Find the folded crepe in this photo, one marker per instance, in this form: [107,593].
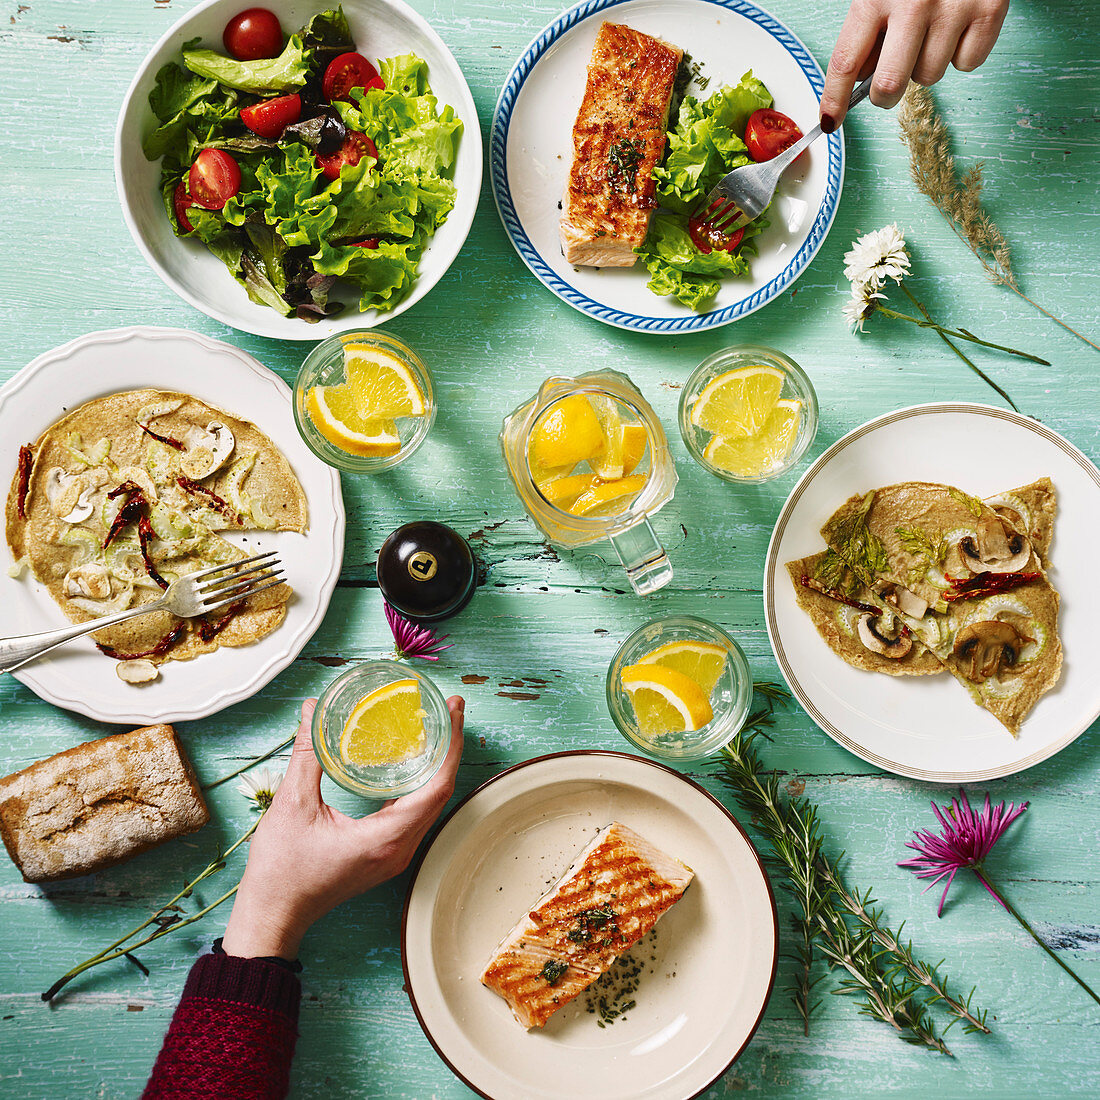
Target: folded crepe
[885,595]
[132,490]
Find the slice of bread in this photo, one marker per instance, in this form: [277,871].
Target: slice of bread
[99,803]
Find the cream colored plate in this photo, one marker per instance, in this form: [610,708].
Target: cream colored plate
[926,726]
[498,852]
[76,676]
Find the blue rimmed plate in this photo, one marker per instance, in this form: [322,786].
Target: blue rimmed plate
[531,147]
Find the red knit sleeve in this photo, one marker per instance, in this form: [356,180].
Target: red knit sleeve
[232,1035]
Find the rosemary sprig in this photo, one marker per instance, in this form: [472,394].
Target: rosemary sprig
[894,986]
[932,168]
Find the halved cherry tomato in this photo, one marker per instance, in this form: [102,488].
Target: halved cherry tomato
[181,200]
[215,177]
[356,146]
[370,242]
[706,238]
[269,119]
[769,132]
[253,34]
[349,70]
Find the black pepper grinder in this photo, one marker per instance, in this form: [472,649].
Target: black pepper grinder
[427,571]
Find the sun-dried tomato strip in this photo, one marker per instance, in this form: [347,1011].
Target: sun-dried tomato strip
[175,444]
[223,506]
[836,594]
[146,534]
[208,629]
[134,510]
[158,650]
[26,460]
[985,584]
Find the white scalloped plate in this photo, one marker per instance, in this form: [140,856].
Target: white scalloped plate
[927,727]
[530,147]
[710,969]
[79,678]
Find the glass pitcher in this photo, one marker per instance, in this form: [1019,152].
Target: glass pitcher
[615,491]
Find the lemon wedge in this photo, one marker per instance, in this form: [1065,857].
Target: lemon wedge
[351,433]
[703,662]
[634,445]
[759,454]
[387,727]
[605,494]
[664,700]
[738,402]
[567,433]
[607,462]
[561,492]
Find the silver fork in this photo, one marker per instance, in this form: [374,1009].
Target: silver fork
[741,196]
[197,593]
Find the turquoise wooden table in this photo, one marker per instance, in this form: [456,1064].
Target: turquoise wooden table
[532,649]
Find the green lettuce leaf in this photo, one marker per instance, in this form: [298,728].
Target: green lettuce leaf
[275,74]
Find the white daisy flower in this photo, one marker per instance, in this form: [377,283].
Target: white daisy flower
[260,786]
[876,257]
[860,306]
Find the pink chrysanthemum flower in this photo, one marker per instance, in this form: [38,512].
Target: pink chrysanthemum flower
[413,640]
[966,840]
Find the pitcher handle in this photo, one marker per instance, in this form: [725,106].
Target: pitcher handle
[643,557]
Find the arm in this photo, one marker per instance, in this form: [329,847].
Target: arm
[899,40]
[234,1031]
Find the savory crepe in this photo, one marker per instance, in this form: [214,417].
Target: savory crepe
[130,491]
[919,577]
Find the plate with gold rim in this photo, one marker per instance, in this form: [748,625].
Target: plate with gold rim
[706,975]
[926,727]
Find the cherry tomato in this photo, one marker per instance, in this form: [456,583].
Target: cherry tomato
[253,34]
[215,177]
[769,132]
[349,70]
[268,119]
[370,242]
[706,238]
[181,200]
[356,146]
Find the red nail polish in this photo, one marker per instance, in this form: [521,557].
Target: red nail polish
[828,124]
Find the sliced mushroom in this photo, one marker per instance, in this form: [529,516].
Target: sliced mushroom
[909,603]
[893,641]
[994,549]
[990,646]
[91,579]
[208,450]
[137,671]
[69,496]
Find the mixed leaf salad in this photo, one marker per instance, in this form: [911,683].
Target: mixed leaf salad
[686,258]
[297,163]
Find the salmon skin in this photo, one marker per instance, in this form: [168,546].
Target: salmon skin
[618,138]
[612,895]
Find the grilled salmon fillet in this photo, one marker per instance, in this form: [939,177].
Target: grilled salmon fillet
[618,138]
[611,896]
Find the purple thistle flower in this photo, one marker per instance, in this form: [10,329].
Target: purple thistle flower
[413,640]
[966,840]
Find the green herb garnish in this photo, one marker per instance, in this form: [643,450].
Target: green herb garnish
[553,971]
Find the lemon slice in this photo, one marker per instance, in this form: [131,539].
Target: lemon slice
[567,433]
[756,455]
[563,491]
[738,402]
[607,462]
[381,385]
[373,438]
[664,700]
[605,494]
[634,445]
[387,727]
[703,662]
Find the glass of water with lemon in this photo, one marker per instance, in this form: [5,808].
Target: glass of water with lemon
[748,413]
[363,401]
[381,730]
[679,688]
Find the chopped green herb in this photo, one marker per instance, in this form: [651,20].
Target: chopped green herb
[972,504]
[553,971]
[623,159]
[857,545]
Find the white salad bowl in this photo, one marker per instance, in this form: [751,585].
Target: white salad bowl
[381,28]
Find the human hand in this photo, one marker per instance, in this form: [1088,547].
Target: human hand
[899,40]
[305,857]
